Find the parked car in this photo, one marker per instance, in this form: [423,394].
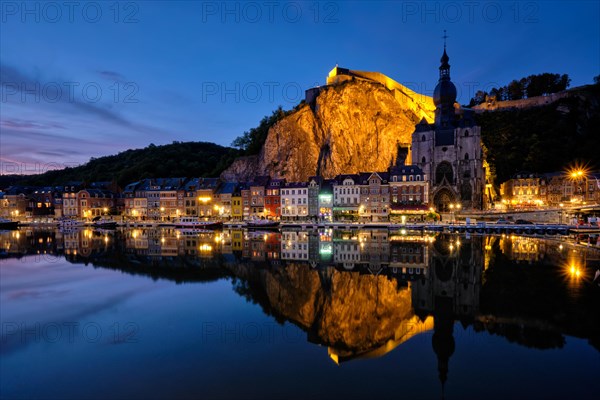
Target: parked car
[523,222]
[502,221]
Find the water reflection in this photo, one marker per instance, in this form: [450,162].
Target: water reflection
[362,293]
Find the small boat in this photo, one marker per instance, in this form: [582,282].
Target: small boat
[66,223]
[195,223]
[8,224]
[262,224]
[104,224]
[192,231]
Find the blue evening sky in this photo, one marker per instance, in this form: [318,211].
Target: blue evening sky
[86,79]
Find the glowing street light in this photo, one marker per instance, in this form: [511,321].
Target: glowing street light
[454,207]
[578,174]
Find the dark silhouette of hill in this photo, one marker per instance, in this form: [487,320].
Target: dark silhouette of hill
[180,159]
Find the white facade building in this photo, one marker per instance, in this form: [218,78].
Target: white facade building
[294,201]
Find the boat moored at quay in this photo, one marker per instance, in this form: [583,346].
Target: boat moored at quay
[195,223]
[7,224]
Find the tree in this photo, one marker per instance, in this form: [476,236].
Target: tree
[479,98]
[546,83]
[563,83]
[530,86]
[515,90]
[498,93]
[252,141]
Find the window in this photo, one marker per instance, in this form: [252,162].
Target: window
[467,133]
[466,156]
[444,171]
[423,159]
[423,138]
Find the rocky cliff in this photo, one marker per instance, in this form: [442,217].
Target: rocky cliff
[348,127]
[352,313]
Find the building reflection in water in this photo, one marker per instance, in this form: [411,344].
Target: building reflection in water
[361,293]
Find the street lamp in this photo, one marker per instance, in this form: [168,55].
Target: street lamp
[453,208]
[578,175]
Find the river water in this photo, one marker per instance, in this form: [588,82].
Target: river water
[161,313]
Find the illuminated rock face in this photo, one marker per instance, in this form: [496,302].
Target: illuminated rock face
[349,127]
[363,311]
[352,313]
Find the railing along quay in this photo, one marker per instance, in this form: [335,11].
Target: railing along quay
[481,227]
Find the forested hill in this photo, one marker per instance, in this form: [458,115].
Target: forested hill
[545,138]
[186,159]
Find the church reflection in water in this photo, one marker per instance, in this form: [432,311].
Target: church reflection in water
[362,293]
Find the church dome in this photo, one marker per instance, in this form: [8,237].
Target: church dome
[444,93]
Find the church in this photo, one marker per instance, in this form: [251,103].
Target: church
[449,151]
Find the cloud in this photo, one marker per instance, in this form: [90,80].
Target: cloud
[29,151]
[58,152]
[28,124]
[112,76]
[37,294]
[32,135]
[17,88]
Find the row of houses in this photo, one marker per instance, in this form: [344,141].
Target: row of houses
[402,192]
[375,196]
[72,200]
[528,189]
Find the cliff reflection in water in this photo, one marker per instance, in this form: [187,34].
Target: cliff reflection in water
[361,293]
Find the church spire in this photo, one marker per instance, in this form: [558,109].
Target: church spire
[444,66]
[444,95]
